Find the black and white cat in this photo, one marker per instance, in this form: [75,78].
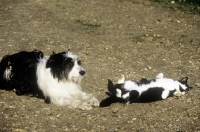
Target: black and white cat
[149,91]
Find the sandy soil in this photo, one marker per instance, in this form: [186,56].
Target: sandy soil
[113,37]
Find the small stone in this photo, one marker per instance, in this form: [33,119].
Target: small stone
[19,130]
[133,119]
[1,40]
[58,115]
[115,111]
[197,84]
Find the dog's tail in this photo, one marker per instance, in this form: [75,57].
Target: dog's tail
[3,64]
[1,75]
[2,69]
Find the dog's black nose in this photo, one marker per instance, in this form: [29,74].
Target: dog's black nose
[82,72]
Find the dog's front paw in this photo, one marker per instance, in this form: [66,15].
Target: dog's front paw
[94,102]
[85,106]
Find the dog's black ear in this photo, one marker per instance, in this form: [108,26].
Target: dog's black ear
[49,63]
[53,52]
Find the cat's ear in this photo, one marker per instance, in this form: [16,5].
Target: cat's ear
[111,87]
[184,80]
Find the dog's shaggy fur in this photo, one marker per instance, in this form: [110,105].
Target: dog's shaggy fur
[56,78]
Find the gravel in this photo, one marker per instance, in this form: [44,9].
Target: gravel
[134,38]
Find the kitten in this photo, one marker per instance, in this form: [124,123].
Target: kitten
[150,90]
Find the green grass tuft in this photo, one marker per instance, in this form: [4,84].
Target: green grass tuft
[189,6]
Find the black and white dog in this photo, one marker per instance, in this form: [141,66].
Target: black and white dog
[56,78]
[149,91]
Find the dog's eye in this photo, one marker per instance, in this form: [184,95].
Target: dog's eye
[79,62]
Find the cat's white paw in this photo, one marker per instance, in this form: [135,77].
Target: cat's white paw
[118,93]
[165,94]
[127,103]
[179,93]
[121,79]
[124,96]
[159,76]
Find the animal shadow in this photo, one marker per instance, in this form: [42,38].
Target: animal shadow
[111,96]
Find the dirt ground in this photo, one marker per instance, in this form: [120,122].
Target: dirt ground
[113,37]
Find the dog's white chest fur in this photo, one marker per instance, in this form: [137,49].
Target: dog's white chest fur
[64,91]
